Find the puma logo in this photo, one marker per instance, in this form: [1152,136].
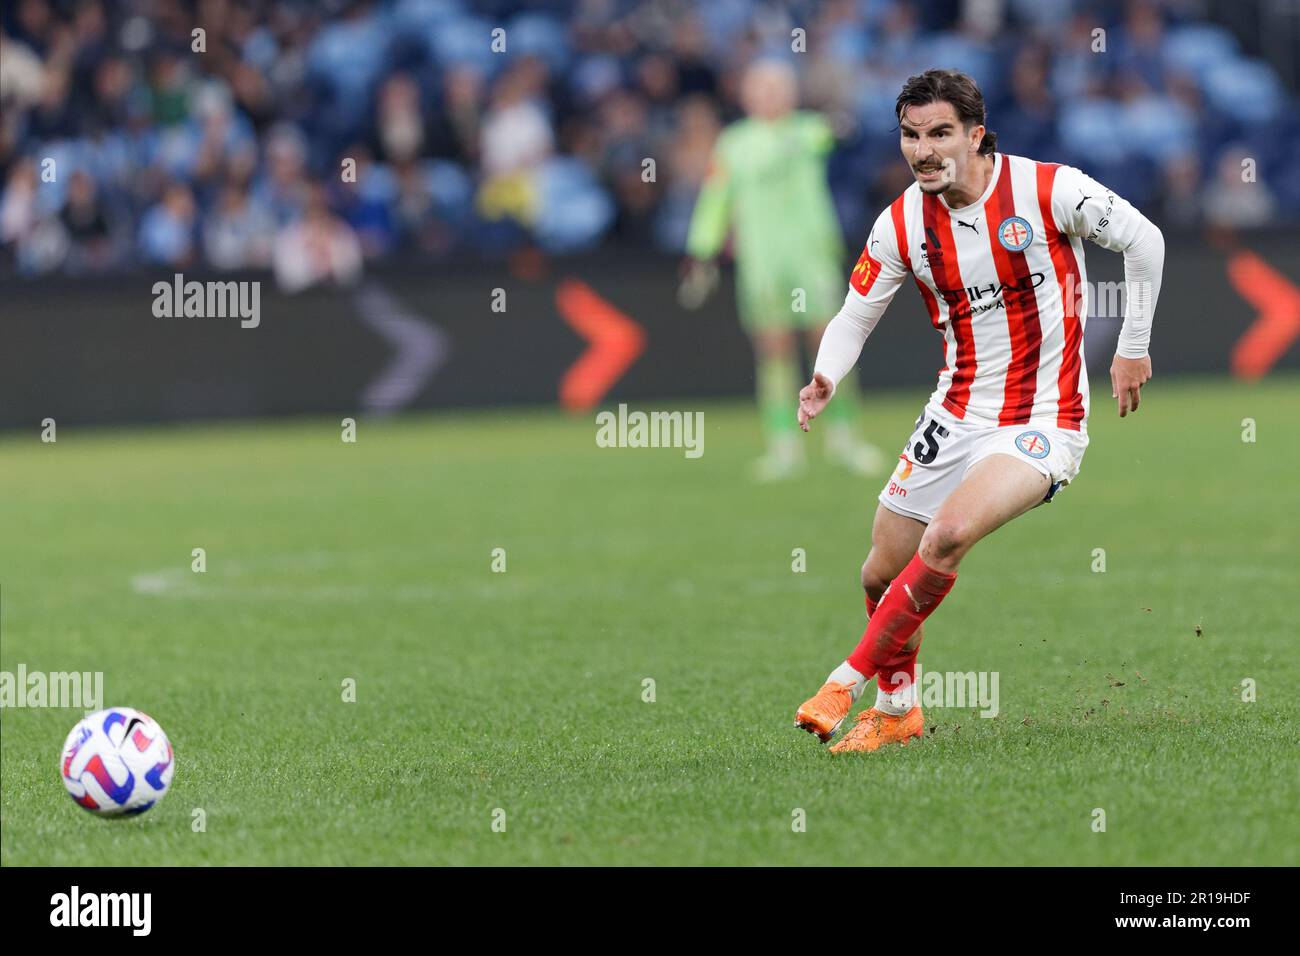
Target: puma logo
[915,603]
[970,225]
[1081,201]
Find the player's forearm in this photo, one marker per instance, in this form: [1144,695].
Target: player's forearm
[1144,261]
[844,337]
[709,223]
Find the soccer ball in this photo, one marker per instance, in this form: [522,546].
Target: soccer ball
[117,762]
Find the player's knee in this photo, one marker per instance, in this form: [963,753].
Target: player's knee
[945,540]
[873,581]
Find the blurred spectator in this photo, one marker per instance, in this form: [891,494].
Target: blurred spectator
[168,229]
[239,233]
[18,205]
[689,154]
[281,188]
[318,248]
[516,139]
[400,122]
[93,245]
[365,202]
[54,115]
[455,131]
[1235,199]
[1030,122]
[625,143]
[22,76]
[169,91]
[516,135]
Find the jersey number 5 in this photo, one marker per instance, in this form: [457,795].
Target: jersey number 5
[927,449]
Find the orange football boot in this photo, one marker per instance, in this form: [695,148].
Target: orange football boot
[874,728]
[825,711]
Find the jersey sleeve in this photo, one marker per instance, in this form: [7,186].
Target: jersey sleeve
[711,218]
[1085,208]
[875,278]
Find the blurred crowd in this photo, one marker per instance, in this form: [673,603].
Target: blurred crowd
[309,137]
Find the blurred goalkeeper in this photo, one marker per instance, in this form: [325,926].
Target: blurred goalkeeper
[767,179]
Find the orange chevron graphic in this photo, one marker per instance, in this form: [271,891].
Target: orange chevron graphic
[904,469]
[616,341]
[1278,324]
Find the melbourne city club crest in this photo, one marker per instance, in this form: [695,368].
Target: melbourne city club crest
[1015,234]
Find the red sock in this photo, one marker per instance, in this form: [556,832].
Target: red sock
[887,680]
[910,599]
[898,673]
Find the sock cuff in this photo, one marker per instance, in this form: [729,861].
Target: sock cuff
[933,580]
[896,674]
[846,673]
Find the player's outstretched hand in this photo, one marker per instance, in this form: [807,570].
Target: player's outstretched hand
[699,279]
[1127,376]
[813,398]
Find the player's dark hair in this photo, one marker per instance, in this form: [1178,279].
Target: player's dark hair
[948,86]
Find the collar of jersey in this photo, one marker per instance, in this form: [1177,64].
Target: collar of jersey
[988,190]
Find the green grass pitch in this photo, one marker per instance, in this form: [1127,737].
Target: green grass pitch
[523,691]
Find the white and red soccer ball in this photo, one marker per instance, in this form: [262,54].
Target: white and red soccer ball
[117,762]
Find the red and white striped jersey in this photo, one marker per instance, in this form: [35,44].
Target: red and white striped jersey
[1004,282]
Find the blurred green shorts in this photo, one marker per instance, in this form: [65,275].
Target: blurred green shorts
[798,295]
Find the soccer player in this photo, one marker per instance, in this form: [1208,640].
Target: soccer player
[994,243]
[767,179]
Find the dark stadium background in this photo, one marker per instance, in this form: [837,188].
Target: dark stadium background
[521,170]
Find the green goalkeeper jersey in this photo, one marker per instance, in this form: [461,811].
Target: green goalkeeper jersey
[768,180]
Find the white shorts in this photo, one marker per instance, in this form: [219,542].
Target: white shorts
[942,449]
